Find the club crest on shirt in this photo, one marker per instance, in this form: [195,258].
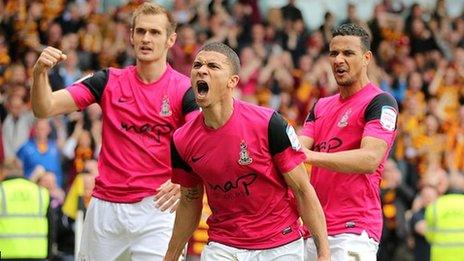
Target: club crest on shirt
[344,119]
[245,158]
[165,107]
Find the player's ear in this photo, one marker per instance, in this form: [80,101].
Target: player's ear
[233,81]
[367,57]
[131,37]
[171,40]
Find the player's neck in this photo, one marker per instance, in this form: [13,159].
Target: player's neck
[218,114]
[150,72]
[348,91]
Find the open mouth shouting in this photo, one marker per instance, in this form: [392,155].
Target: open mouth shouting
[202,88]
[145,49]
[340,71]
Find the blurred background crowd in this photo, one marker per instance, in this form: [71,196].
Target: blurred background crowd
[419,59]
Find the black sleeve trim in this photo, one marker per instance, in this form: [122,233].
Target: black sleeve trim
[277,133]
[176,160]
[96,84]
[374,109]
[312,113]
[188,102]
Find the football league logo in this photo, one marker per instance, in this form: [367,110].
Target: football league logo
[388,118]
[344,120]
[165,108]
[245,158]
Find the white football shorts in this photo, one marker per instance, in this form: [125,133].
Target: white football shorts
[292,251]
[346,247]
[119,231]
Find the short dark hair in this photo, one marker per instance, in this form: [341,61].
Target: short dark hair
[354,30]
[225,50]
[154,9]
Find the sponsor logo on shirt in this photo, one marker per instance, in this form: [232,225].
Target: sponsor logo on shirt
[388,118]
[327,146]
[344,119]
[245,158]
[152,131]
[165,107]
[243,182]
[293,138]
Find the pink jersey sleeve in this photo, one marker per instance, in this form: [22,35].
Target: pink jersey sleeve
[289,159]
[375,129]
[184,178]
[81,95]
[308,129]
[381,117]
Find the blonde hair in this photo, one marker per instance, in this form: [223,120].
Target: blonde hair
[154,9]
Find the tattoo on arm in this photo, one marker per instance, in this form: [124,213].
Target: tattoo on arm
[191,194]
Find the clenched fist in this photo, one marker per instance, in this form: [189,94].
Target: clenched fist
[49,57]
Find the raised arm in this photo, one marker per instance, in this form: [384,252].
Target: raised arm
[364,160]
[187,218]
[309,208]
[46,103]
[378,134]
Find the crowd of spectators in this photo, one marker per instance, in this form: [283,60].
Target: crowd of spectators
[419,58]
